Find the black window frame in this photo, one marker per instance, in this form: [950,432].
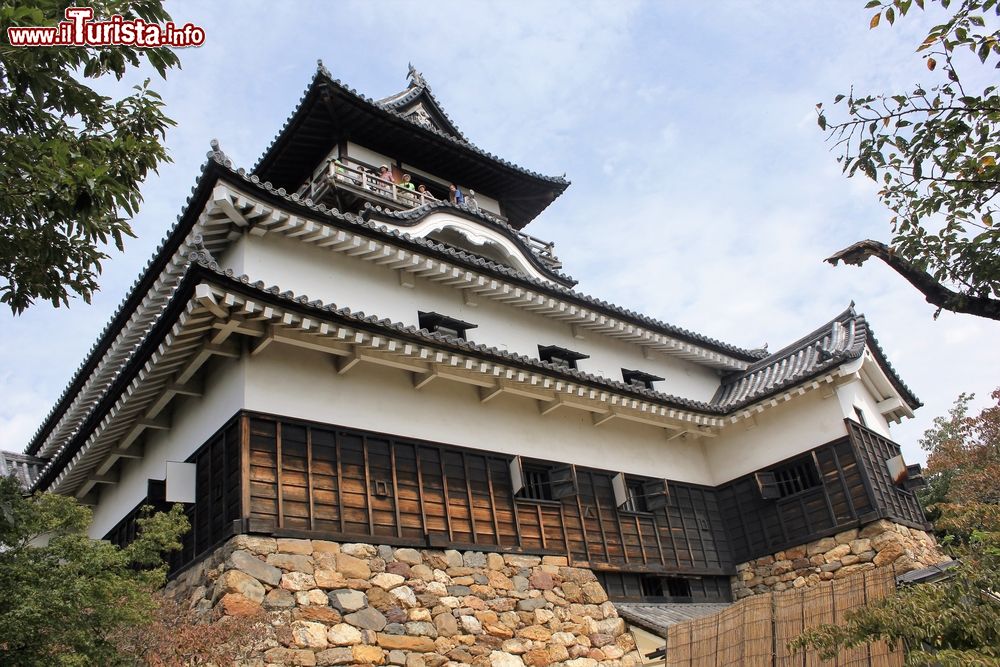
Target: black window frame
[537,483]
[789,479]
[449,326]
[560,356]
[636,492]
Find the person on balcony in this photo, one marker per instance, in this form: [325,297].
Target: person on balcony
[455,195]
[424,193]
[385,174]
[408,190]
[339,171]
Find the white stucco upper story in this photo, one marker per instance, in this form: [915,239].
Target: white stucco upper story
[303,384]
[376,290]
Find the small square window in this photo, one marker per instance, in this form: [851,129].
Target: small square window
[442,324]
[788,479]
[537,485]
[639,378]
[560,356]
[636,497]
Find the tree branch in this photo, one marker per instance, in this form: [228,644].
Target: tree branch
[934,292]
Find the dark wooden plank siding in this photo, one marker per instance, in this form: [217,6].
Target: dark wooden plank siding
[319,480]
[757,527]
[890,501]
[368,486]
[218,498]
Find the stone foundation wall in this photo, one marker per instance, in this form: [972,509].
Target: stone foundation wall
[338,604]
[881,543]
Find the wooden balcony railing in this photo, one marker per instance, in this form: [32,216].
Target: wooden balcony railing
[353,177]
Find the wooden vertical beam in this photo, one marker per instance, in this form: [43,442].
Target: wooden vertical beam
[310,490]
[468,492]
[277,473]
[843,482]
[562,522]
[420,489]
[541,524]
[621,535]
[600,519]
[395,487]
[493,502]
[684,527]
[701,533]
[340,480]
[368,487]
[517,521]
[245,466]
[642,545]
[583,524]
[444,491]
[659,544]
[673,538]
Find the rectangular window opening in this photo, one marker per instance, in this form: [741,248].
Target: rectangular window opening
[639,378]
[537,484]
[442,324]
[788,479]
[560,356]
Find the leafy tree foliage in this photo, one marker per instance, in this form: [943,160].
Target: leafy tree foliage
[934,149]
[952,622]
[955,621]
[179,636]
[65,603]
[73,159]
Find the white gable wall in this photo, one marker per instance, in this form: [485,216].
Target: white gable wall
[194,421]
[776,434]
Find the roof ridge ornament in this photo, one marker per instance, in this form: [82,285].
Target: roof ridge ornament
[219,155]
[321,68]
[417,79]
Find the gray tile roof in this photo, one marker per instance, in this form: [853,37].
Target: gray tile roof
[323,75]
[842,339]
[656,617]
[388,326]
[21,467]
[419,87]
[928,574]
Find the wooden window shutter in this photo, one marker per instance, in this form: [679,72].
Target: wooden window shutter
[563,481]
[767,483]
[620,489]
[516,476]
[657,494]
[898,471]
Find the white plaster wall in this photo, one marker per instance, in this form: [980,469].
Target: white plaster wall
[368,156]
[785,430]
[300,383]
[359,285]
[194,422]
[856,394]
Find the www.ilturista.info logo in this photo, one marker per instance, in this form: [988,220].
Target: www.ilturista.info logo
[80,30]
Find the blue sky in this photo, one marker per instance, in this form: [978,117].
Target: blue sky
[703,192]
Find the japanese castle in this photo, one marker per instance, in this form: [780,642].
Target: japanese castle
[354,351]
